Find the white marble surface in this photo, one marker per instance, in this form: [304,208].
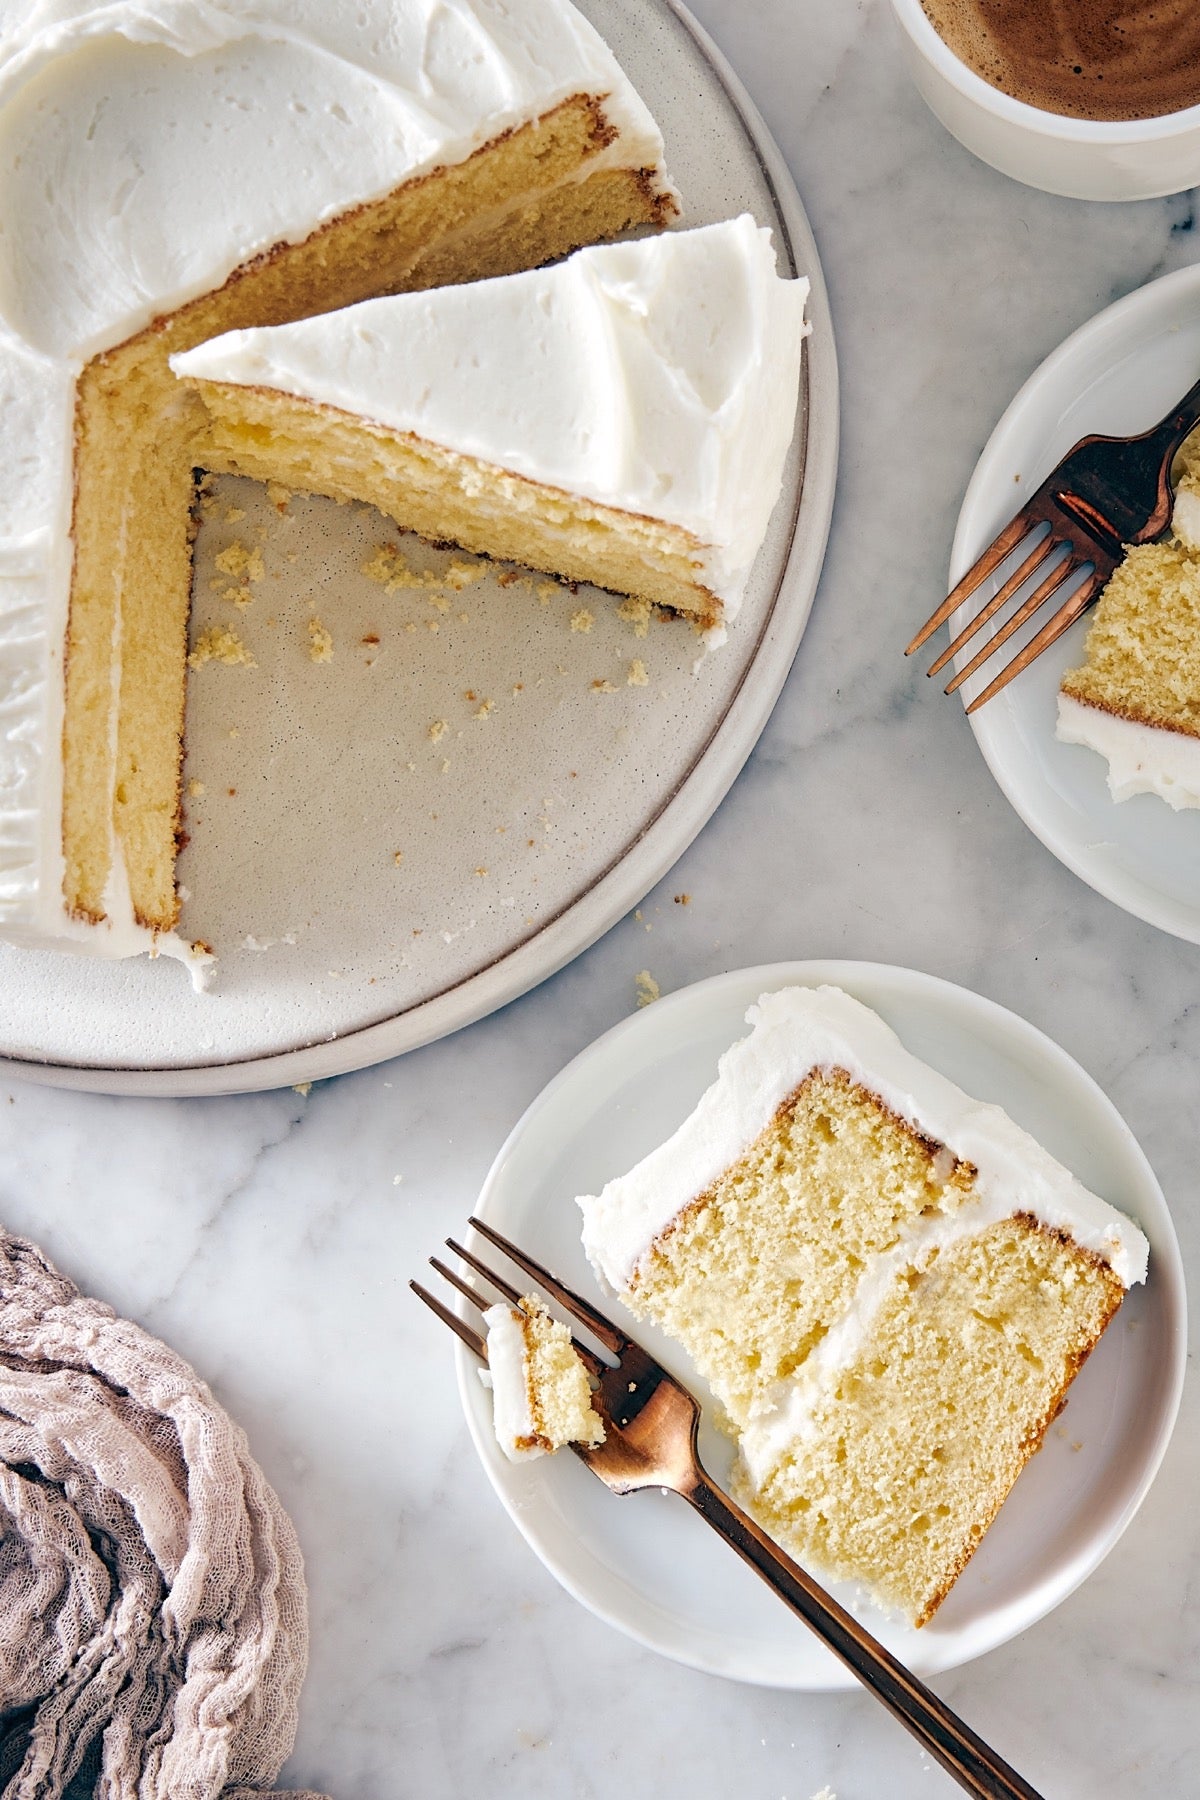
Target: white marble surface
[270,1240]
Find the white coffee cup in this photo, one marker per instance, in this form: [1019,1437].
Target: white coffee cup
[1087,159]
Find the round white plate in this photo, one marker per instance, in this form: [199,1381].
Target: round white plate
[522,834]
[1119,374]
[645,1562]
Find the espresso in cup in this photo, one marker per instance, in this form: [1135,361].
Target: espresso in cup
[1086,59]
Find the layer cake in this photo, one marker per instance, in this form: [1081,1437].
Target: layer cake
[619,418]
[888,1286]
[170,172]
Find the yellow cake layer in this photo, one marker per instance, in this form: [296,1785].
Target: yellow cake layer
[559,1393]
[521,200]
[752,1275]
[1142,655]
[912,1453]
[446,496]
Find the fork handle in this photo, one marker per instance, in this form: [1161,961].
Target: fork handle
[974,1765]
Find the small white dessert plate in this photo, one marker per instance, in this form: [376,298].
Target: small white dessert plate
[1118,374]
[651,1567]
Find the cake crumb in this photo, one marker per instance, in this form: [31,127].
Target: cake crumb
[236,560]
[646,989]
[604,687]
[461,574]
[481,870]
[303,1088]
[437,731]
[582,620]
[637,676]
[234,732]
[445,765]
[683,899]
[218,644]
[372,637]
[485,708]
[234,515]
[826,1793]
[547,591]
[320,647]
[636,612]
[195,788]
[278,495]
[397,857]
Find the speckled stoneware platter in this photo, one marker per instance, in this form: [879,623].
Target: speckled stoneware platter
[388,844]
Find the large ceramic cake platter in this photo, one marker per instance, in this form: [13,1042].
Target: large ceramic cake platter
[374,862]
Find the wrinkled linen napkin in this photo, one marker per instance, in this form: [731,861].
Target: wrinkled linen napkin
[153,1619]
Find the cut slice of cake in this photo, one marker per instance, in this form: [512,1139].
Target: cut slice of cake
[888,1286]
[1136,699]
[541,1396]
[620,418]
[166,176]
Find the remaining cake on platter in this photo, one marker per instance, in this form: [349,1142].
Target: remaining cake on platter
[168,174]
[541,1396]
[620,418]
[888,1286]
[1136,699]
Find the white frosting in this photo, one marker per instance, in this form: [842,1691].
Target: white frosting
[800,1029]
[1142,759]
[147,149]
[1185,515]
[659,377]
[508,1369]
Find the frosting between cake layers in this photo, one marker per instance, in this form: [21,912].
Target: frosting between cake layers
[795,1031]
[147,149]
[1142,759]
[658,377]
[507,1377]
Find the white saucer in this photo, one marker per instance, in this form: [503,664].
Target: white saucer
[651,1567]
[1119,374]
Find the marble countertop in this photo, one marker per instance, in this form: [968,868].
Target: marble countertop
[270,1238]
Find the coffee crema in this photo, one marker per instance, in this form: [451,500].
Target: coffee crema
[1087,59]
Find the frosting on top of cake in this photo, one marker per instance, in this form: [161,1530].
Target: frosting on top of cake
[148,148]
[1142,759]
[658,377]
[795,1031]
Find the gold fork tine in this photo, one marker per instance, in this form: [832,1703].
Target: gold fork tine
[470,1338]
[1034,560]
[987,564]
[502,1287]
[1060,573]
[588,1357]
[1054,627]
[465,1288]
[603,1328]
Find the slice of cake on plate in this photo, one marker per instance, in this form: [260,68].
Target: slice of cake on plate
[541,1396]
[170,174]
[888,1286]
[1136,699]
[619,418]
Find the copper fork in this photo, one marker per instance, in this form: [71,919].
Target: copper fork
[1105,494]
[650,1423]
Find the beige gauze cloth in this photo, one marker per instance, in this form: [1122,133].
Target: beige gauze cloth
[153,1618]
